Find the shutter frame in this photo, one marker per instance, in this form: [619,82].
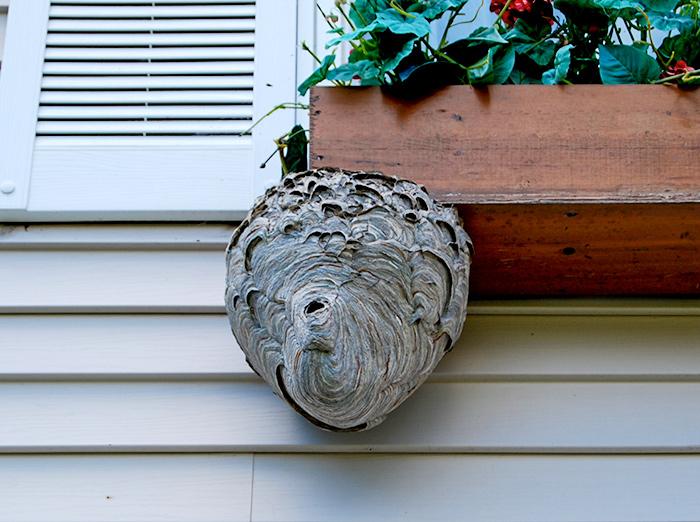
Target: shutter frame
[20,85]
[274,82]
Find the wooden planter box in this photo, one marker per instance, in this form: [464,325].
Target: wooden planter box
[582,190]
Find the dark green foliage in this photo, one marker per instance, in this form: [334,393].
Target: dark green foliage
[296,150]
[562,63]
[583,41]
[318,75]
[621,64]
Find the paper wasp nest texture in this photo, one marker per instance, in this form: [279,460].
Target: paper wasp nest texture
[344,290]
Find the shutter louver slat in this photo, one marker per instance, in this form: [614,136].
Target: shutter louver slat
[150,2]
[151,82]
[162,39]
[176,25]
[148,68]
[82,128]
[146,53]
[149,11]
[131,97]
[128,112]
[136,68]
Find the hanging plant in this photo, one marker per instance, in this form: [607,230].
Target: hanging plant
[529,41]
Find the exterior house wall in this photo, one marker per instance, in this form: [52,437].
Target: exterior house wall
[123,396]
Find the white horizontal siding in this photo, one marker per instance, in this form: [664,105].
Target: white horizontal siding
[186,488]
[481,488]
[492,348]
[98,347]
[124,397]
[101,237]
[98,268]
[494,417]
[128,488]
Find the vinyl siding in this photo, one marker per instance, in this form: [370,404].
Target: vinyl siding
[124,397]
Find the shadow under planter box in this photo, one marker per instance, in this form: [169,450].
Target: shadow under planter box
[582,190]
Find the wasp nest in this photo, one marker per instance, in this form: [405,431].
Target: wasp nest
[344,290]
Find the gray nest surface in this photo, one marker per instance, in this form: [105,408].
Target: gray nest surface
[344,290]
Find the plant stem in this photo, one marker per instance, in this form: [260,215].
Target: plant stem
[450,20]
[670,59]
[318,60]
[617,32]
[347,19]
[330,24]
[651,39]
[629,29]
[286,105]
[308,50]
[399,10]
[476,15]
[358,13]
[684,76]
[442,55]
[262,165]
[500,15]
[554,34]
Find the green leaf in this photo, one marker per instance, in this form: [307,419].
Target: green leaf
[622,64]
[520,78]
[524,32]
[363,12]
[528,41]
[494,68]
[684,46]
[585,11]
[660,5]
[370,82]
[354,35]
[670,21]
[542,53]
[364,69]
[488,35]
[562,62]
[318,75]
[395,60]
[438,7]
[617,5]
[296,153]
[367,51]
[392,20]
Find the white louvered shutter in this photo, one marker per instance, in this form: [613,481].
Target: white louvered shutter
[139,107]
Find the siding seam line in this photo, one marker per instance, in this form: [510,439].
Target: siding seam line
[252,486]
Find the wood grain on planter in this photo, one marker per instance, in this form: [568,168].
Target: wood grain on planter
[615,166]
[507,144]
[531,250]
